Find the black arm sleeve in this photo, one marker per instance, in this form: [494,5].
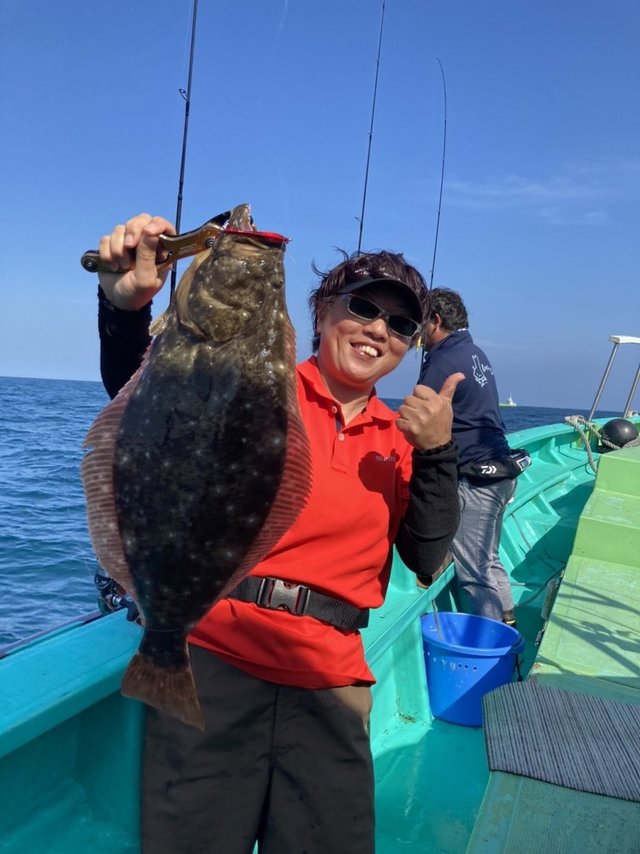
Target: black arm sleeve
[124,337]
[433,514]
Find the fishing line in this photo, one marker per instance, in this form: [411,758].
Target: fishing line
[444,151]
[373,113]
[421,341]
[186,94]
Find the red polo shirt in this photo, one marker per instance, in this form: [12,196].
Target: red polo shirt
[340,545]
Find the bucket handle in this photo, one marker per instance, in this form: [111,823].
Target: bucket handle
[518,646]
[516,649]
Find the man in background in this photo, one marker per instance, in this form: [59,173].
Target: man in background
[487,466]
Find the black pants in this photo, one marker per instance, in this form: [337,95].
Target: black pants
[288,767]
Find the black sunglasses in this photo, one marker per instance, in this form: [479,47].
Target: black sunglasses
[364,309]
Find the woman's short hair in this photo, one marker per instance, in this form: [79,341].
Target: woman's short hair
[363,266]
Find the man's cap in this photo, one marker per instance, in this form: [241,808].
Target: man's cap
[414,292]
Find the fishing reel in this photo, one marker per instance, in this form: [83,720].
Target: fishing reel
[113,597]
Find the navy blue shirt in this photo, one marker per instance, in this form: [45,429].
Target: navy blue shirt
[477,424]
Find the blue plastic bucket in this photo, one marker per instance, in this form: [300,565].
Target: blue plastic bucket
[465,657]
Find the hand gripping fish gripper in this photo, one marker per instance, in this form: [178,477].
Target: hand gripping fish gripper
[172,248]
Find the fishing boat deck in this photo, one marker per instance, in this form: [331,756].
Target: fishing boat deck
[431,775]
[70,743]
[416,798]
[433,779]
[591,646]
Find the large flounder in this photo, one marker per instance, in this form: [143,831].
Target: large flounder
[201,463]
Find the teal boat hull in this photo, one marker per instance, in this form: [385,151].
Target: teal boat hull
[70,744]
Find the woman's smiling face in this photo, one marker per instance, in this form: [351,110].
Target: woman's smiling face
[353,353]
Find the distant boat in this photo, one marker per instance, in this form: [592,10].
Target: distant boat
[509,402]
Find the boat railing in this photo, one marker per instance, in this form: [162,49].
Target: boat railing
[617,340]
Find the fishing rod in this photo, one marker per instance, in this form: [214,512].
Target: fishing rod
[373,113]
[186,94]
[444,151]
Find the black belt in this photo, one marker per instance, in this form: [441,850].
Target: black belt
[276,594]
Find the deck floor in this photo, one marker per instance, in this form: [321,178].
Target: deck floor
[423,764]
[419,768]
[591,645]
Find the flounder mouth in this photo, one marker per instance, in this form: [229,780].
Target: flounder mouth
[270,237]
[240,223]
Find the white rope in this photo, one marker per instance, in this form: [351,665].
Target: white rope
[584,427]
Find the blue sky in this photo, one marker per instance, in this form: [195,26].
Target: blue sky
[540,212]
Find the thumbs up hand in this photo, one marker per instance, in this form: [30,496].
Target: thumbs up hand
[425,416]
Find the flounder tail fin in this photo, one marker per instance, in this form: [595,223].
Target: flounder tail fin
[170,690]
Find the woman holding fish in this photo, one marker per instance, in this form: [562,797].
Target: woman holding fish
[278,492]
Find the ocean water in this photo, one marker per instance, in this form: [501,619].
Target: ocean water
[523,417]
[46,560]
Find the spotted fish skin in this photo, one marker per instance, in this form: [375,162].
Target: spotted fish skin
[201,463]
